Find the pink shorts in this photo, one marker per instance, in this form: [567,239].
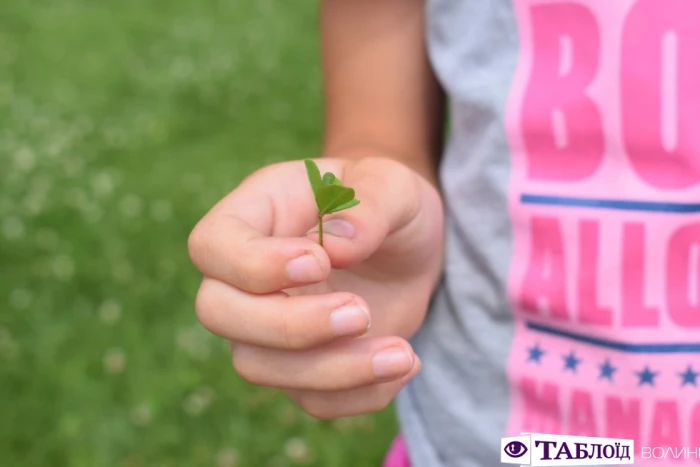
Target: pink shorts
[397,456]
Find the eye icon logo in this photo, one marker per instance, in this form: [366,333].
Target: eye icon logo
[515,449]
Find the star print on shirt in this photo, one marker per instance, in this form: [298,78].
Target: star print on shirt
[646,376]
[571,362]
[689,376]
[535,354]
[607,370]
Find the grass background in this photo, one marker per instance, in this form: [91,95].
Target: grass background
[121,123]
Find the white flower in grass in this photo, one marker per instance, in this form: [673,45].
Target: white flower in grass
[350,424]
[143,287]
[268,63]
[141,415]
[20,299]
[161,210]
[122,271]
[41,184]
[227,458]
[103,184]
[73,166]
[93,213]
[297,450]
[115,137]
[6,205]
[206,393]
[6,92]
[118,177]
[9,51]
[156,130]
[194,343]
[114,361]
[24,108]
[8,347]
[266,7]
[62,267]
[309,420]
[132,461]
[142,120]
[197,402]
[255,35]
[84,125]
[13,228]
[192,181]
[277,461]
[76,198]
[362,422]
[24,159]
[47,238]
[110,311]
[282,111]
[343,425]
[131,206]
[65,93]
[41,267]
[40,123]
[186,339]
[34,203]
[181,68]
[167,268]
[290,416]
[226,62]
[55,148]
[261,397]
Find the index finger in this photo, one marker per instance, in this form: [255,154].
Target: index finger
[249,241]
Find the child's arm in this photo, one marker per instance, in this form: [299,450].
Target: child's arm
[292,309]
[381,95]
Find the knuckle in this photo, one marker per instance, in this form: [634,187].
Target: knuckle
[250,272]
[244,365]
[290,337]
[379,403]
[317,407]
[258,268]
[197,244]
[205,304]
[328,406]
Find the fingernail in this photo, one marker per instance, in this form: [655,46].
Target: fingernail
[305,268]
[392,362]
[414,371]
[338,228]
[350,320]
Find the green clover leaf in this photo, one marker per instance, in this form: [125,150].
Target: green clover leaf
[329,193]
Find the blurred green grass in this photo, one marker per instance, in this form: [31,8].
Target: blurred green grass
[121,123]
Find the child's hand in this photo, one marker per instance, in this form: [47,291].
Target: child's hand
[293,322]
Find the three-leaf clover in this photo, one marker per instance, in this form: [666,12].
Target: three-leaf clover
[330,194]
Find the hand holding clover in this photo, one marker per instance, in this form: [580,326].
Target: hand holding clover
[330,194]
[296,313]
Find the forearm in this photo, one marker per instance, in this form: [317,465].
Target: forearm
[381,97]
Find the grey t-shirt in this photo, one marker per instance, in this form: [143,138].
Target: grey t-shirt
[570,298]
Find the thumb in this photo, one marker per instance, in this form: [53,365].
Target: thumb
[389,196]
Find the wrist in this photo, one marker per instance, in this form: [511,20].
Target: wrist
[424,165]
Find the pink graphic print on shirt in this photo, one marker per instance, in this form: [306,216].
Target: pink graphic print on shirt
[604,126]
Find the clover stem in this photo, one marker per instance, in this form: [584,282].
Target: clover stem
[320,229]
